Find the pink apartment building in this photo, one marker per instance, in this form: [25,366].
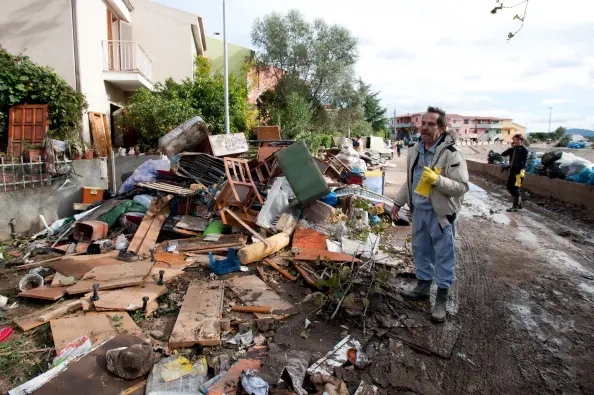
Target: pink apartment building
[467,127]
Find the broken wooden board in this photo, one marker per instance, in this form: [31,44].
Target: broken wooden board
[78,268]
[97,327]
[198,319]
[170,274]
[192,223]
[45,293]
[254,292]
[438,340]
[227,385]
[197,244]
[89,375]
[40,317]
[150,227]
[165,259]
[314,255]
[305,239]
[122,275]
[128,299]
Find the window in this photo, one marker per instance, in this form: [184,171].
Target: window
[466,122]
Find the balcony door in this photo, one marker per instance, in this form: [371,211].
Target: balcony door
[119,43]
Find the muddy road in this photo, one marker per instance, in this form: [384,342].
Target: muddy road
[522,306]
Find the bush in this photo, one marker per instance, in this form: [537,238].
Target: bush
[24,82]
[563,142]
[154,113]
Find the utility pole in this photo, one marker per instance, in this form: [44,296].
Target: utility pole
[226,70]
[550,113]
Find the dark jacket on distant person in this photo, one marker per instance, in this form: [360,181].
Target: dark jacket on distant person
[519,157]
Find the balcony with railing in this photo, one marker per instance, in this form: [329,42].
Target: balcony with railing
[404,125]
[126,65]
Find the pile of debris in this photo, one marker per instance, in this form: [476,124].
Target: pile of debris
[203,236]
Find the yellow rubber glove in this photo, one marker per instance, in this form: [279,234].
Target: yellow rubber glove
[519,179]
[523,172]
[429,175]
[427,179]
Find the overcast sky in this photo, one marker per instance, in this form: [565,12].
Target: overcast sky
[452,53]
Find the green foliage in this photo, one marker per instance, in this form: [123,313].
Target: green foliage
[560,132]
[373,111]
[316,53]
[24,82]
[564,141]
[294,117]
[315,141]
[154,113]
[540,137]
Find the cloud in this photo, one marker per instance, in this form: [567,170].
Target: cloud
[446,41]
[550,102]
[395,54]
[366,41]
[564,62]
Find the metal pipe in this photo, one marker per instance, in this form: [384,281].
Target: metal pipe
[226,69]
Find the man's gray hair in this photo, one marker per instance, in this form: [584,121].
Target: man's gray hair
[441,121]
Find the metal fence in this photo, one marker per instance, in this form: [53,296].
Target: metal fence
[19,174]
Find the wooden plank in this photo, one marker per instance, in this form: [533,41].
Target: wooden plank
[144,227]
[198,319]
[113,276]
[40,317]
[97,327]
[246,226]
[124,324]
[93,257]
[89,375]
[99,133]
[192,223]
[107,133]
[45,293]
[78,268]
[314,255]
[305,238]
[254,292]
[166,259]
[128,299]
[197,243]
[170,274]
[153,233]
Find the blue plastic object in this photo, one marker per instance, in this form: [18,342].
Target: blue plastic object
[330,199]
[224,266]
[374,220]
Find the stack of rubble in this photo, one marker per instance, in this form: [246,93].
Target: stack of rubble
[225,229]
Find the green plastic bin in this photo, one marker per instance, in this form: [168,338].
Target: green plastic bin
[302,173]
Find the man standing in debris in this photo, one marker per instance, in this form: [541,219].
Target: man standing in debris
[436,182]
[357,143]
[517,168]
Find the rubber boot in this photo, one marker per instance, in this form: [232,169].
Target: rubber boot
[520,203]
[438,314]
[420,292]
[514,207]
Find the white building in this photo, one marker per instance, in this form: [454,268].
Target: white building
[104,48]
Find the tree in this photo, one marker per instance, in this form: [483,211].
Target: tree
[560,132]
[154,113]
[373,112]
[317,54]
[294,118]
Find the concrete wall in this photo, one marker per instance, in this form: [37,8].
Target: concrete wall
[565,191]
[53,201]
[127,164]
[41,29]
[166,35]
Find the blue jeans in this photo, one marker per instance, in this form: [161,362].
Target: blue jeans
[433,249]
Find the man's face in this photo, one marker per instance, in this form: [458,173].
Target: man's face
[430,132]
[516,142]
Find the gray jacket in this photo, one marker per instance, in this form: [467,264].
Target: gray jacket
[447,195]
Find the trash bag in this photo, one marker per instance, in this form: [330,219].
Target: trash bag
[582,177]
[495,158]
[549,158]
[555,171]
[146,172]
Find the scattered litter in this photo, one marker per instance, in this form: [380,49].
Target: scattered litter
[78,346]
[338,356]
[253,384]
[5,333]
